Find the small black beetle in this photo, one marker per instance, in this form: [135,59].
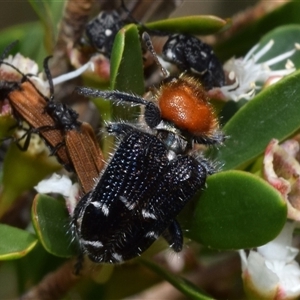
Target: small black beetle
[187,52]
[102,29]
[193,56]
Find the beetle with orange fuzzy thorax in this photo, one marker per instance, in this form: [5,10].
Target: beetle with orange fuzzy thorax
[154,172]
[181,104]
[184,102]
[74,143]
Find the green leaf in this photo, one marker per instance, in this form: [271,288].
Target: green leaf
[49,13]
[29,36]
[15,243]
[238,44]
[190,25]
[53,226]
[237,210]
[7,121]
[127,62]
[186,287]
[273,113]
[22,170]
[229,109]
[42,9]
[126,68]
[284,38]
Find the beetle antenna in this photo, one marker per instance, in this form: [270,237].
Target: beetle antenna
[147,40]
[49,76]
[8,49]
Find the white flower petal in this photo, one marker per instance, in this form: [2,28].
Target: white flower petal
[244,259]
[24,64]
[279,58]
[247,72]
[55,184]
[280,248]
[272,272]
[263,50]
[260,275]
[73,74]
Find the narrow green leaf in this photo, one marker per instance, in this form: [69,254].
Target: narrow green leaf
[127,61]
[237,210]
[190,25]
[43,10]
[53,226]
[126,68]
[273,113]
[183,285]
[15,243]
[48,11]
[56,11]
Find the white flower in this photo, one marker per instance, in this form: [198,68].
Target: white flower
[27,66]
[272,272]
[60,184]
[246,72]
[24,64]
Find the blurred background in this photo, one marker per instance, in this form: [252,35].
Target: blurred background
[15,12]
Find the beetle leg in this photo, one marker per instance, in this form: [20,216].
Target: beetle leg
[173,235]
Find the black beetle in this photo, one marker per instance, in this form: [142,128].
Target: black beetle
[195,57]
[152,174]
